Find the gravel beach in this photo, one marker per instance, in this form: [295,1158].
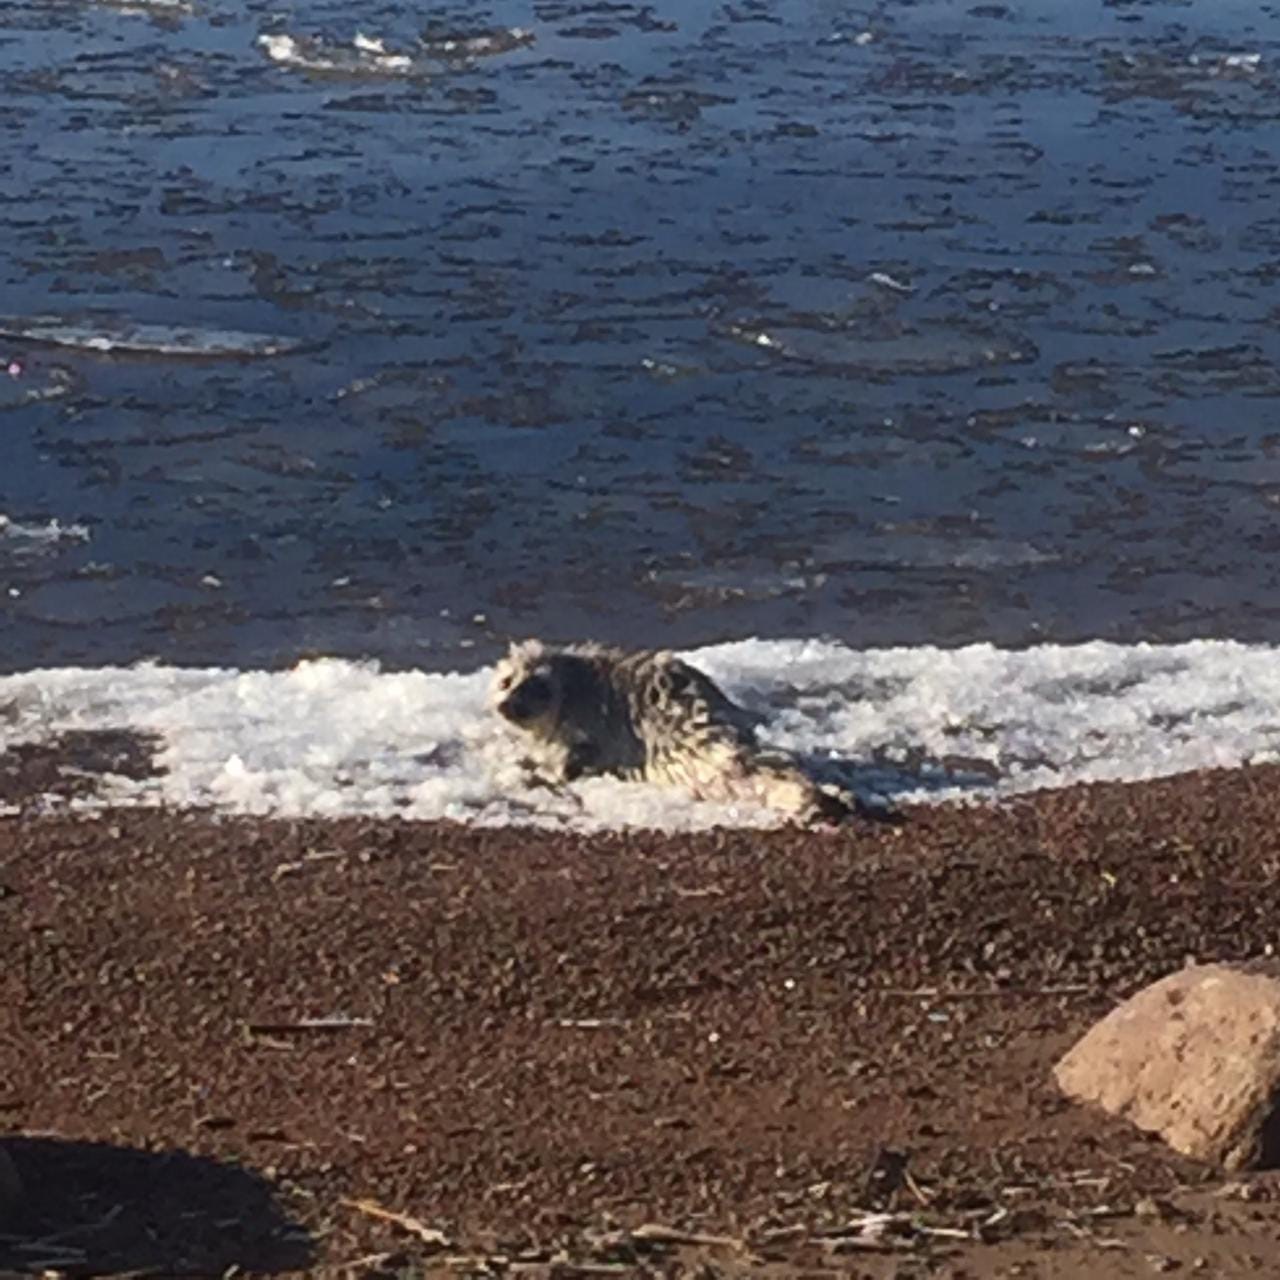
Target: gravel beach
[257,1044]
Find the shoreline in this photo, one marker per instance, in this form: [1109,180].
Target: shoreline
[541,1041]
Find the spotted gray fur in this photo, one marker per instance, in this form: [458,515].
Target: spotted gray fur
[646,716]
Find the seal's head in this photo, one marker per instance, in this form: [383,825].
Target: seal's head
[526,687]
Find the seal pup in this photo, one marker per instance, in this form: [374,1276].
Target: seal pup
[646,716]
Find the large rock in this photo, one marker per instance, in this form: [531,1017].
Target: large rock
[1195,1058]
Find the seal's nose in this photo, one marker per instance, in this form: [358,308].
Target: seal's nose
[527,701]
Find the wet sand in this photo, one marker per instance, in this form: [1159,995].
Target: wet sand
[218,1034]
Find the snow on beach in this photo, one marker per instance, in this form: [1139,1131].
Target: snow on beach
[330,737]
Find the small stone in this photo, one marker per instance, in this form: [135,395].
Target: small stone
[1194,1058]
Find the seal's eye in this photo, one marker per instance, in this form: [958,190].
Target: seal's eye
[529,700]
[505,683]
[535,691]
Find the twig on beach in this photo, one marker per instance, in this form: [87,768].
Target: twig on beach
[310,860]
[885,1232]
[936,993]
[869,1226]
[1102,1211]
[916,1189]
[881,1232]
[657,1233]
[336,1023]
[780,1235]
[428,1235]
[1084,1178]
[944,1233]
[360,1264]
[562,1266]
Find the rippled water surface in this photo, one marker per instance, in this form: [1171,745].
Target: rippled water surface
[670,322]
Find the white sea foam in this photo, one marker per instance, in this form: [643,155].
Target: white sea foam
[112,334]
[331,737]
[17,538]
[366,55]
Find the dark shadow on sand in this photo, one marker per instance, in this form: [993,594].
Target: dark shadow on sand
[89,1208]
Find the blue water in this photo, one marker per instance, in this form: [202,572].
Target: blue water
[691,320]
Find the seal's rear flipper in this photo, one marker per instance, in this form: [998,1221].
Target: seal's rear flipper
[838,806]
